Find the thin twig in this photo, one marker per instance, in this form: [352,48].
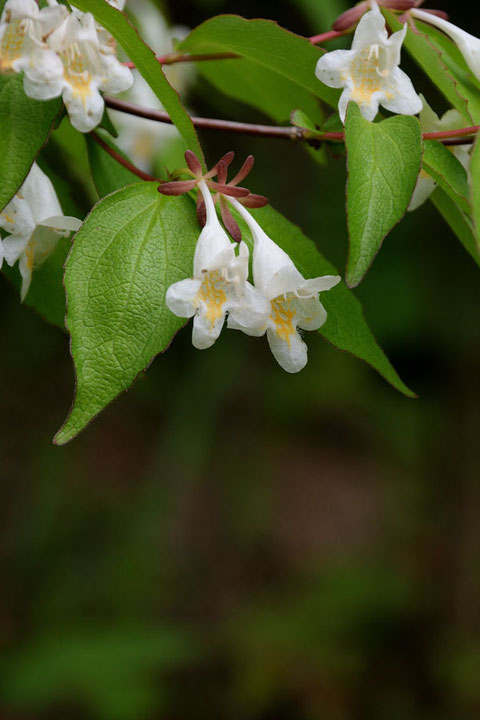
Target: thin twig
[123,161]
[272,131]
[289,133]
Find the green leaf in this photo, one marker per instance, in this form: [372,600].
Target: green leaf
[475,192]
[130,249]
[459,223]
[108,175]
[25,125]
[275,71]
[383,162]
[442,165]
[433,64]
[346,327]
[144,58]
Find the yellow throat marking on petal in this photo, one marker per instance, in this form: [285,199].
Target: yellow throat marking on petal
[212,294]
[76,73]
[12,45]
[8,218]
[366,74]
[282,314]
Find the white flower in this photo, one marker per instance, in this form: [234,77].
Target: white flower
[23,29]
[430,122]
[35,222]
[88,66]
[293,300]
[468,44]
[219,284]
[369,72]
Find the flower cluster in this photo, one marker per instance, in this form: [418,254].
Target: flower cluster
[34,222]
[62,53]
[280,300]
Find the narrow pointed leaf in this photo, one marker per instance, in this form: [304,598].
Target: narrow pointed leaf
[475,191]
[130,249]
[458,222]
[448,172]
[25,125]
[276,70]
[383,162]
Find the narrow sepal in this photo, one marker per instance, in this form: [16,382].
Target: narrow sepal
[244,170]
[439,13]
[193,163]
[254,201]
[226,159]
[177,187]
[350,17]
[228,189]
[222,171]
[229,221]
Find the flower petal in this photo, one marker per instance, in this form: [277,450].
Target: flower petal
[312,315]
[423,189]
[85,109]
[401,96]
[331,67]
[180,297]
[370,30]
[291,355]
[205,331]
[250,313]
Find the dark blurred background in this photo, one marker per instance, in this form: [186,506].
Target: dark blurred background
[229,541]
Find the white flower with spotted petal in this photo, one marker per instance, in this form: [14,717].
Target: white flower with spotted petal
[293,300]
[219,284]
[369,71]
[88,66]
[35,222]
[430,122]
[23,27]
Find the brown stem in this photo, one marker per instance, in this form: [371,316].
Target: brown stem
[272,131]
[290,133]
[120,159]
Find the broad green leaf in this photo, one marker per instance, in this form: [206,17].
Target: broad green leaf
[130,249]
[108,175]
[25,125]
[275,71]
[383,162]
[346,327]
[475,191]
[459,223]
[125,34]
[430,60]
[442,165]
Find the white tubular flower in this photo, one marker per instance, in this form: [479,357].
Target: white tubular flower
[88,66]
[468,44]
[430,122]
[23,28]
[369,71]
[293,300]
[219,284]
[35,222]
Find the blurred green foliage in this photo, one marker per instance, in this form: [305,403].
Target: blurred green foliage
[229,541]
